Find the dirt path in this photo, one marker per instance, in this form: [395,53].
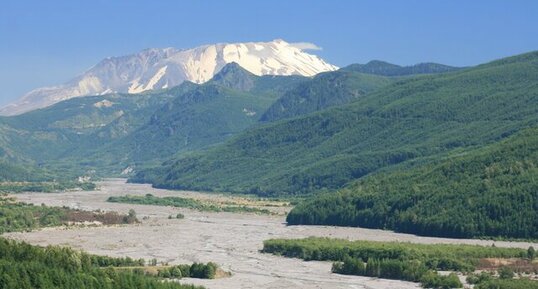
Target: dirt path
[231,240]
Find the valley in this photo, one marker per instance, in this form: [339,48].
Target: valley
[269,144]
[235,172]
[232,240]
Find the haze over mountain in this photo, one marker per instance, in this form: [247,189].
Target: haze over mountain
[167,67]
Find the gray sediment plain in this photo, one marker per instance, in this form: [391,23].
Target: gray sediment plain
[232,240]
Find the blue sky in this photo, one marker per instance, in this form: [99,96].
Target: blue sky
[48,42]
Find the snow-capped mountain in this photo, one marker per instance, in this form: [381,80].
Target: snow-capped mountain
[162,68]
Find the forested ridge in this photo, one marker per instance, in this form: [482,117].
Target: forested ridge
[416,117]
[490,191]
[104,134]
[16,178]
[323,91]
[383,68]
[13,172]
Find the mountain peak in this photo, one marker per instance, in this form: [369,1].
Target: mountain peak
[232,75]
[231,68]
[384,68]
[157,68]
[280,41]
[380,63]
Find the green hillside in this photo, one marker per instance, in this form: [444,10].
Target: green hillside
[233,76]
[343,86]
[412,118]
[15,173]
[77,125]
[110,132]
[15,178]
[483,192]
[206,115]
[388,69]
[323,91]
[195,117]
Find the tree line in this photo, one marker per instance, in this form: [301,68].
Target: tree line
[28,267]
[17,216]
[394,260]
[181,202]
[195,270]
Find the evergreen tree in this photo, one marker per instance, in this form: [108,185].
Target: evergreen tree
[531,253]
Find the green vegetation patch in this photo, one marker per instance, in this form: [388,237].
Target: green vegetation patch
[15,178]
[45,187]
[508,284]
[195,270]
[27,267]
[433,256]
[189,203]
[393,260]
[15,216]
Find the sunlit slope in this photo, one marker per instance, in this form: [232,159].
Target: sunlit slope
[415,117]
